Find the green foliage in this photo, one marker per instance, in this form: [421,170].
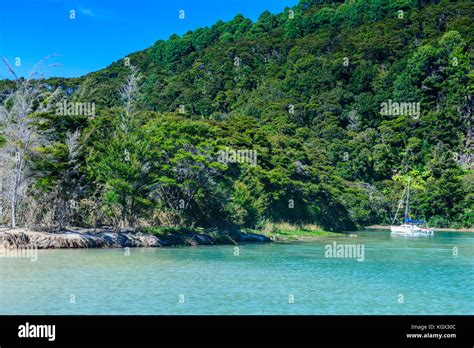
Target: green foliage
[305,93]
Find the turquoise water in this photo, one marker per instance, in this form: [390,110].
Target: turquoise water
[397,276]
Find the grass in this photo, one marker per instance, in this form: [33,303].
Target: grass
[277,231]
[167,230]
[287,231]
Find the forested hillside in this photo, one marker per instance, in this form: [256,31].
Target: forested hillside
[315,115]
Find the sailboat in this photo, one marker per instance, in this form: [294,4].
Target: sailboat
[411,228]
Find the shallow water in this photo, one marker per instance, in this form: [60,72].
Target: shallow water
[397,276]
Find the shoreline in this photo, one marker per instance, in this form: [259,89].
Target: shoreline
[79,238]
[104,238]
[387,227]
[281,237]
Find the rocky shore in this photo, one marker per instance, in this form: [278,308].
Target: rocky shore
[91,238]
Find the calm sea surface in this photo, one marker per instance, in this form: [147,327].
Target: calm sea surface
[397,276]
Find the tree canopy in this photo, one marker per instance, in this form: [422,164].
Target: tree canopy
[340,102]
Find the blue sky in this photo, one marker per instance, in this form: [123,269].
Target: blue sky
[105,30]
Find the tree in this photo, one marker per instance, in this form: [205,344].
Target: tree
[185,170]
[21,135]
[119,162]
[68,187]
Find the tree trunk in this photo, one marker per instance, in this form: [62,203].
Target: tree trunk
[14,206]
[1,196]
[16,182]
[122,219]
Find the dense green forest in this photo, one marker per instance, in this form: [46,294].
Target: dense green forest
[337,102]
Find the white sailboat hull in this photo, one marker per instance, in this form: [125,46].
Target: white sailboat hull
[411,230]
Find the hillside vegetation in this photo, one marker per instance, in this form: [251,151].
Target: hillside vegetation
[331,104]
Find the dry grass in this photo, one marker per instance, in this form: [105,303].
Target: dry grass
[288,228]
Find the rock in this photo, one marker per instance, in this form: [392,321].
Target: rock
[87,238]
[252,237]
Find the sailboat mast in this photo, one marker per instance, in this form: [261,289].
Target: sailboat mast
[400,203]
[407,207]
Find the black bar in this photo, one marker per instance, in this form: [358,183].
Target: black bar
[241,330]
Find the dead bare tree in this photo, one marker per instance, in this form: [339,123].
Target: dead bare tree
[21,135]
[1,194]
[130,94]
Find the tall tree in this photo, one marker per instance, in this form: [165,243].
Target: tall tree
[20,132]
